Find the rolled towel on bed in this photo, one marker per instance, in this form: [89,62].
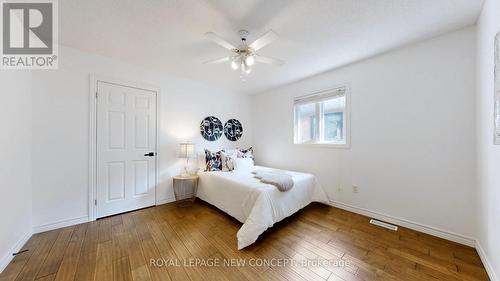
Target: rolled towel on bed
[282,181]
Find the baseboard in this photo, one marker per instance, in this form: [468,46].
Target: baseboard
[486,262]
[408,224]
[8,256]
[165,201]
[60,224]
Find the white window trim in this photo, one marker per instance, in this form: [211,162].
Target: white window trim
[347,115]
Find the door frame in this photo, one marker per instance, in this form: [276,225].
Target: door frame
[92,176]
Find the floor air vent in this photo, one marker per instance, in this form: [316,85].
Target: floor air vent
[384,224]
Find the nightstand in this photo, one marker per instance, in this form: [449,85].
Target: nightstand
[185,188]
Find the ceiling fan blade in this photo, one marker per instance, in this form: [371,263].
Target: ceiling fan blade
[269,60]
[264,40]
[218,40]
[220,60]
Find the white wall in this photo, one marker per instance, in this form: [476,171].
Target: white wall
[488,154]
[15,164]
[61,124]
[413,147]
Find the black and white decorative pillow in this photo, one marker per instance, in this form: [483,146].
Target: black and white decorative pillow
[211,128]
[233,130]
[246,153]
[228,158]
[213,160]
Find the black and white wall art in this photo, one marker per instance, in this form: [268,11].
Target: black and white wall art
[233,130]
[211,128]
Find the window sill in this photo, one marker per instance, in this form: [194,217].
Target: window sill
[326,145]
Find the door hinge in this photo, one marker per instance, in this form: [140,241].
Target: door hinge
[96,94]
[95,202]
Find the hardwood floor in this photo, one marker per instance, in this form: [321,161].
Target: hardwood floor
[122,248]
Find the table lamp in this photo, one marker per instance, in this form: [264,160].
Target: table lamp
[186,150]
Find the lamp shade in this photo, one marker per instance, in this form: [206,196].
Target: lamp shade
[186,150]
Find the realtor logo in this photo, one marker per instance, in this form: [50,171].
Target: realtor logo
[29,34]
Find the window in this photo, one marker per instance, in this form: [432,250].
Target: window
[321,118]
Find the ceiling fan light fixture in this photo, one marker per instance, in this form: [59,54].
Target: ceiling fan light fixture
[234,64]
[244,56]
[250,60]
[245,68]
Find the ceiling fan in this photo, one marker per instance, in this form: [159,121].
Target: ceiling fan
[245,55]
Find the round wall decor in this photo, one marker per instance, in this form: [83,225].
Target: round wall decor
[211,128]
[233,129]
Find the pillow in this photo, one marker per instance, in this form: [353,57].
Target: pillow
[228,164]
[213,160]
[228,159]
[243,164]
[245,153]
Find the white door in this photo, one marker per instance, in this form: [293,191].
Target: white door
[126,149]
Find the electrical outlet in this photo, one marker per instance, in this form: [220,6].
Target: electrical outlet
[339,188]
[355,189]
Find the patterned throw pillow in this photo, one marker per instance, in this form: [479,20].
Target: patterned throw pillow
[228,159]
[245,153]
[213,160]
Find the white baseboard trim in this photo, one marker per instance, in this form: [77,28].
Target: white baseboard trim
[408,224]
[486,262]
[7,258]
[59,224]
[165,201]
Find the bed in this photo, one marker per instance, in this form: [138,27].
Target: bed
[257,205]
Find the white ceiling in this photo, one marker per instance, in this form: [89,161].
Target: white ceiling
[315,35]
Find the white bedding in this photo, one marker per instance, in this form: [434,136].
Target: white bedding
[257,205]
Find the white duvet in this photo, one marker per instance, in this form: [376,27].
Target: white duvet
[257,205]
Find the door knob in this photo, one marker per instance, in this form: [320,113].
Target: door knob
[150,154]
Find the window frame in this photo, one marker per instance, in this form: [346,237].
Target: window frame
[316,98]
